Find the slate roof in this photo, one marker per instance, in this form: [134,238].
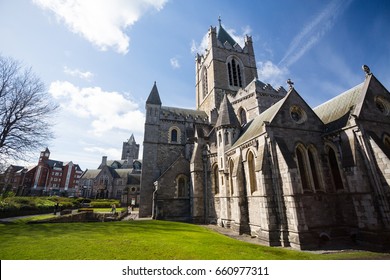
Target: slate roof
[223,36]
[115,173]
[338,107]
[54,163]
[154,96]
[91,173]
[111,162]
[227,116]
[184,112]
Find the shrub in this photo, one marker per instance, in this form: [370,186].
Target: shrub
[8,194]
[104,203]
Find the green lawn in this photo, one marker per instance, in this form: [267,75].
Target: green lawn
[138,240]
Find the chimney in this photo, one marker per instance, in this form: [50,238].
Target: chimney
[104,160]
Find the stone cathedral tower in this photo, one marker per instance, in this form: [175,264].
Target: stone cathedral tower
[224,68]
[130,150]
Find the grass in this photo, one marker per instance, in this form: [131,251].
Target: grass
[151,240]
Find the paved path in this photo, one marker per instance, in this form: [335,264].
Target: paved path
[11,219]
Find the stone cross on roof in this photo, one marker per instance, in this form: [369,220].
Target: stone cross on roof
[290,83]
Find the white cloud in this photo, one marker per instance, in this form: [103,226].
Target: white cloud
[111,153]
[239,38]
[200,48]
[78,73]
[101,22]
[313,31]
[175,63]
[271,73]
[105,110]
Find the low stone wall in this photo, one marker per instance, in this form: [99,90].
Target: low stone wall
[82,217]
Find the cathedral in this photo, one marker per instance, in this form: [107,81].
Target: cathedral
[260,161]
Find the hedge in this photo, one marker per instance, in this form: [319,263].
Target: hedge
[21,205]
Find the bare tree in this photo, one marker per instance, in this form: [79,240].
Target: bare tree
[26,111]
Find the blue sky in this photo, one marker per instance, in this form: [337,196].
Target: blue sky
[99,59]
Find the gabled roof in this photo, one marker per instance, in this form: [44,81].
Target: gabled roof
[154,96]
[227,116]
[256,126]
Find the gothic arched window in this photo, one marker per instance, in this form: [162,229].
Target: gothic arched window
[314,168]
[335,170]
[252,173]
[181,183]
[204,82]
[386,140]
[174,135]
[215,179]
[231,168]
[234,72]
[242,115]
[302,166]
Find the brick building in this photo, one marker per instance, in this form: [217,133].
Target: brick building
[55,177]
[261,161]
[48,177]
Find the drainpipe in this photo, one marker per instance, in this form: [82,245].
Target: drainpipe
[205,193]
[154,199]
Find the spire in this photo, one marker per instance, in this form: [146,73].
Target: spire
[223,36]
[132,139]
[227,116]
[154,97]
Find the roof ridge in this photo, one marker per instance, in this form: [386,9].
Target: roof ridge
[348,91]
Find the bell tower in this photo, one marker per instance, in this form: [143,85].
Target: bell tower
[222,69]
